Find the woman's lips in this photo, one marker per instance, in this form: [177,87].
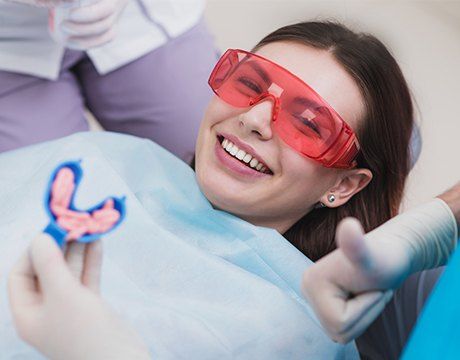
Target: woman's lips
[235,165]
[245,147]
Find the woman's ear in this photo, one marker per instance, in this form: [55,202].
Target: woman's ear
[350,183]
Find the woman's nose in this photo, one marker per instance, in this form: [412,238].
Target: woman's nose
[258,119]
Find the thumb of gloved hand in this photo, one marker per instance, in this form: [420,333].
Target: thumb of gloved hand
[43,261]
[350,239]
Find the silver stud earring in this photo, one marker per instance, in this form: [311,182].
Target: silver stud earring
[331,198]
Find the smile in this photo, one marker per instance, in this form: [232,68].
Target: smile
[247,158]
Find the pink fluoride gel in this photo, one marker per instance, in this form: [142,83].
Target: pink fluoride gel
[78,223]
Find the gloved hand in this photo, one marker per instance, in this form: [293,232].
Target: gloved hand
[92,25]
[56,308]
[350,287]
[343,287]
[45,3]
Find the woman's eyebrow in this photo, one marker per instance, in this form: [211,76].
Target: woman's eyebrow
[307,102]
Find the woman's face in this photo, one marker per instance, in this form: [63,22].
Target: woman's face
[292,184]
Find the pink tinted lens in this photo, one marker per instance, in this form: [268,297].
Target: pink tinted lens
[235,80]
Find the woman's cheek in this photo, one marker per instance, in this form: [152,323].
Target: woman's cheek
[218,111]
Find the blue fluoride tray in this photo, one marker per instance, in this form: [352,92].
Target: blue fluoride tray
[54,229]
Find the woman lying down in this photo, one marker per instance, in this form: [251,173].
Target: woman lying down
[312,126]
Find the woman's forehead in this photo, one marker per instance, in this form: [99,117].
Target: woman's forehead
[320,70]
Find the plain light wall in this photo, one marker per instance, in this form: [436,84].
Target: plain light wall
[423,36]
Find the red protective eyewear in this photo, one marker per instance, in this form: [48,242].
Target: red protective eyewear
[301,118]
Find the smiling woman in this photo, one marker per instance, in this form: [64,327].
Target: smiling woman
[269,112]
[312,126]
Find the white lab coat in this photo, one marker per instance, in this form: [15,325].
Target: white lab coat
[26,46]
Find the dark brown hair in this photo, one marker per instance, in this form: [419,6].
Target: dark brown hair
[384,133]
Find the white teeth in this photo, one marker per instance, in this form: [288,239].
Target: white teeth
[242,155]
[247,158]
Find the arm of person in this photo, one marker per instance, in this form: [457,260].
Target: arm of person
[57,309]
[452,198]
[350,287]
[386,337]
